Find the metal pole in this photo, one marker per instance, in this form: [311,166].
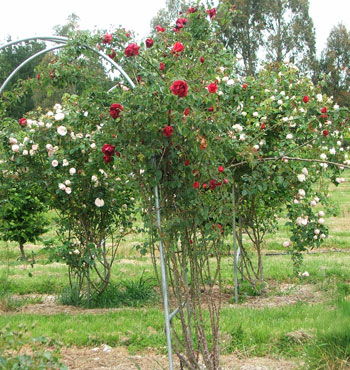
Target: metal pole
[164,282]
[235,243]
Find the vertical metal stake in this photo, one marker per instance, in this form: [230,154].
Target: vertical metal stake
[164,283]
[235,244]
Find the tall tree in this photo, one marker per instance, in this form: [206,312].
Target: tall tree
[270,30]
[335,64]
[290,33]
[10,58]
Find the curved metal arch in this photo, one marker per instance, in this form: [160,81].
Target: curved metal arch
[62,40]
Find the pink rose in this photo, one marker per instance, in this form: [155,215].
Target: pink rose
[211,12]
[160,28]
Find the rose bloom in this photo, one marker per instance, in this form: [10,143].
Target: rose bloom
[325,132]
[160,28]
[301,177]
[324,110]
[22,122]
[196,185]
[107,38]
[168,131]
[212,88]
[161,66]
[61,186]
[25,152]
[179,88]
[108,149]
[306,99]
[321,213]
[305,171]
[177,48]
[54,163]
[149,43]
[68,190]
[59,116]
[191,9]
[15,148]
[131,50]
[186,111]
[115,109]
[211,12]
[72,171]
[286,244]
[107,158]
[201,59]
[62,130]
[221,169]
[99,202]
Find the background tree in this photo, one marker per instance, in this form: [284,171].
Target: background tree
[335,64]
[12,57]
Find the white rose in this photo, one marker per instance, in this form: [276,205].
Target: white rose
[289,136]
[99,202]
[12,140]
[65,163]
[323,236]
[242,137]
[244,114]
[336,107]
[313,203]
[68,190]
[59,116]
[57,106]
[61,186]
[301,177]
[35,146]
[15,148]
[332,151]
[295,201]
[48,147]
[321,214]
[72,171]
[321,221]
[54,163]
[67,182]
[305,171]
[280,102]
[62,130]
[94,178]
[286,244]
[93,146]
[305,274]
[32,152]
[25,152]
[319,98]
[255,114]
[76,251]
[317,231]
[48,125]
[230,82]
[323,156]
[301,193]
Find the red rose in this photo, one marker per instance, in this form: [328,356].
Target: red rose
[324,110]
[131,50]
[204,186]
[263,126]
[168,131]
[325,132]
[127,34]
[115,109]
[22,122]
[191,9]
[177,48]
[38,76]
[179,88]
[180,23]
[306,99]
[161,66]
[196,185]
[221,169]
[211,109]
[211,12]
[201,59]
[186,111]
[112,54]
[212,88]
[187,162]
[149,43]
[244,86]
[107,158]
[108,150]
[107,38]
[212,184]
[160,28]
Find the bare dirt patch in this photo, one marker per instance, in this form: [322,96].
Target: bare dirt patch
[105,357]
[286,294]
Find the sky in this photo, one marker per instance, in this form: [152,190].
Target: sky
[26,18]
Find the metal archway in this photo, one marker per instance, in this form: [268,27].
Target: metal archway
[62,41]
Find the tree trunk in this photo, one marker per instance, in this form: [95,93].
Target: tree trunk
[21,247]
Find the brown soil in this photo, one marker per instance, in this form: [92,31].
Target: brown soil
[104,357]
[285,294]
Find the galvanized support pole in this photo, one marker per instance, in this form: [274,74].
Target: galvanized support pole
[235,254]
[164,282]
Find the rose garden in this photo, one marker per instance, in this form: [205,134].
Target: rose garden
[173,189]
